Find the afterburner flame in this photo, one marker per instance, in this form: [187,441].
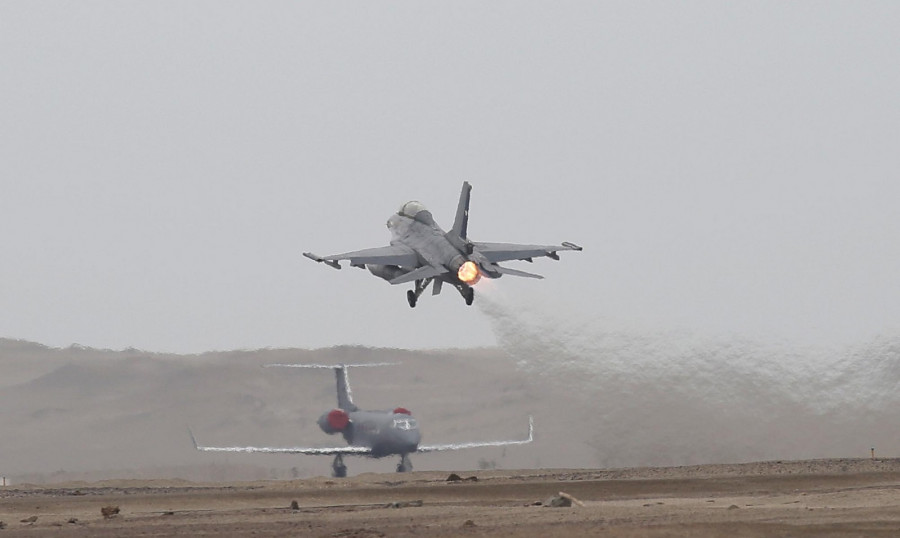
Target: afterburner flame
[469,273]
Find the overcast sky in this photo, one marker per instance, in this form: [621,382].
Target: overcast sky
[727,167]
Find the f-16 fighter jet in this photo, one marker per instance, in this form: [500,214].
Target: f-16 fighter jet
[375,434]
[421,252]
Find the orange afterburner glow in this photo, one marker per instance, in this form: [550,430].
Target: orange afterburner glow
[469,273]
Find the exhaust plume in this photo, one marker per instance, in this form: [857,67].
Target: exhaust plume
[666,397]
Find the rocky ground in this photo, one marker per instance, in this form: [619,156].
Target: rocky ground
[841,497]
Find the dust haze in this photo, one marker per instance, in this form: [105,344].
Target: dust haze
[603,394]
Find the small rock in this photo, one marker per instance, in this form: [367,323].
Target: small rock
[295,505]
[31,519]
[454,477]
[561,500]
[733,507]
[468,523]
[72,520]
[2,525]
[109,512]
[558,502]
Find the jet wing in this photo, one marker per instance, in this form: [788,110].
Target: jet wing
[390,255]
[477,444]
[326,451]
[501,252]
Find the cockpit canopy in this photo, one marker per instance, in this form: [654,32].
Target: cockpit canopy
[415,210]
[411,209]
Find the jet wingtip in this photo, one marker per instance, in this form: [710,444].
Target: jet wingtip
[317,258]
[193,439]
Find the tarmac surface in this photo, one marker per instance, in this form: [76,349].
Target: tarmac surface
[823,498]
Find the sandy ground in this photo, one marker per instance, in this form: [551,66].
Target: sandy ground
[847,497]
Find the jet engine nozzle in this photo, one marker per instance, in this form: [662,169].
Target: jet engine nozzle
[467,271]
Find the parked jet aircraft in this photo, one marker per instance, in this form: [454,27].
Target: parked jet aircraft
[375,434]
[422,252]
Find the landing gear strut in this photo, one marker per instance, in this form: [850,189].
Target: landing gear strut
[467,292]
[338,469]
[413,295]
[405,464]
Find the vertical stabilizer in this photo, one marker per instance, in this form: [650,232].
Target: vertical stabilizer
[344,395]
[461,224]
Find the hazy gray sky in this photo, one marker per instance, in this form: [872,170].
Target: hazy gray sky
[163,165]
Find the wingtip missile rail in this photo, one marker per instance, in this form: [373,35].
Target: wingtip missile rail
[320,259]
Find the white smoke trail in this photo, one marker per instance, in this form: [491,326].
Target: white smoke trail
[651,397]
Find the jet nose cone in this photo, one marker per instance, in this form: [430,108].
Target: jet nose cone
[411,440]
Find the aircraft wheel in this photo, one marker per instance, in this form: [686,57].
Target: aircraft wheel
[405,465]
[470,296]
[338,469]
[411,298]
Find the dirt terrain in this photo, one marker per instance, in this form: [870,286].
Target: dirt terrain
[843,497]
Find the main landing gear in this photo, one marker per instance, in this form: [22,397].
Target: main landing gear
[413,295]
[338,469]
[405,464]
[467,292]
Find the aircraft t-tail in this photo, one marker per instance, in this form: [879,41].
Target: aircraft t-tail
[374,434]
[421,252]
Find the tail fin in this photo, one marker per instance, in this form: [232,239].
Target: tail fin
[344,393]
[461,224]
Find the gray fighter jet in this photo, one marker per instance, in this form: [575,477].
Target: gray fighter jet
[374,434]
[421,252]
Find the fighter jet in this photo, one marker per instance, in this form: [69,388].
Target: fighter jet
[421,252]
[374,434]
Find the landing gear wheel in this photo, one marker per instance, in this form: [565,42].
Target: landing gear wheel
[338,469]
[405,464]
[411,298]
[470,296]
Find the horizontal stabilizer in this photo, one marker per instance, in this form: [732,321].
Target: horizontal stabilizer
[515,272]
[331,366]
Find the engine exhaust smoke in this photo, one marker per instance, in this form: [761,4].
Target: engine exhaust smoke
[665,397]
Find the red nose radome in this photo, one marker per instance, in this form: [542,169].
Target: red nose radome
[468,272]
[402,411]
[338,419]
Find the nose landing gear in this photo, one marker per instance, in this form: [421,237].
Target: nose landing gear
[405,464]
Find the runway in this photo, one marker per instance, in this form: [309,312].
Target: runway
[839,497]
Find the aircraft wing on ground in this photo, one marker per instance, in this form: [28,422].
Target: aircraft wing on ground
[313,451]
[389,255]
[501,252]
[477,444]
